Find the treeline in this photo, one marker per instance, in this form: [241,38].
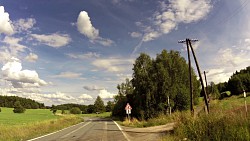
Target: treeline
[238,82]
[154,83]
[97,107]
[10,101]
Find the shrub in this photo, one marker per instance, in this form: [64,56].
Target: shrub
[0,109]
[18,108]
[75,110]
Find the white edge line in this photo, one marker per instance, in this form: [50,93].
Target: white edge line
[124,134]
[54,132]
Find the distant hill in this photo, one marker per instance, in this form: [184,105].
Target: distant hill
[8,101]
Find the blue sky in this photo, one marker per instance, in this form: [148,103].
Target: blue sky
[72,51]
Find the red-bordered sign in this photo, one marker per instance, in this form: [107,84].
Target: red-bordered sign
[128,107]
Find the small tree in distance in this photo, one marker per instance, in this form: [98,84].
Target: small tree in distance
[99,105]
[75,110]
[53,109]
[18,108]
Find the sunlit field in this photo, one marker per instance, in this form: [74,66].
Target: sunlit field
[32,123]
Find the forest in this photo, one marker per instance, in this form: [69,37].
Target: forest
[9,101]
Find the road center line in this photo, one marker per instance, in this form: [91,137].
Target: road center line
[124,134]
[76,130]
[105,133]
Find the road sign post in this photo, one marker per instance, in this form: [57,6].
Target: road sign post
[245,95]
[128,109]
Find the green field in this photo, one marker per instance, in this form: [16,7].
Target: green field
[7,117]
[32,123]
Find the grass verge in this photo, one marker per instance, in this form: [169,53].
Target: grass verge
[102,115]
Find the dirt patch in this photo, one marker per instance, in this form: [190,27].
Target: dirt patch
[148,134]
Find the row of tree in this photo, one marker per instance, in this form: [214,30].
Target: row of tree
[97,107]
[238,82]
[9,101]
[154,81]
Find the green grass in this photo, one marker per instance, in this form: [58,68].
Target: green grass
[229,103]
[7,117]
[227,121]
[32,123]
[102,115]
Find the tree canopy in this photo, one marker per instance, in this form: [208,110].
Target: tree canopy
[153,81]
[9,101]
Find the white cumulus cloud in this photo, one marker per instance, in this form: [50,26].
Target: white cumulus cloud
[85,27]
[54,40]
[12,72]
[104,94]
[6,26]
[85,97]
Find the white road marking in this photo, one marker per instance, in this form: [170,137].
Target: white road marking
[75,130]
[54,132]
[124,134]
[105,133]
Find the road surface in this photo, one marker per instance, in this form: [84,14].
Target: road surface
[95,129]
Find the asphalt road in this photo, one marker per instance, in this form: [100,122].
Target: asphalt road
[95,129]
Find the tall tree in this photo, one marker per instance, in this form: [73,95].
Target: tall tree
[153,81]
[99,105]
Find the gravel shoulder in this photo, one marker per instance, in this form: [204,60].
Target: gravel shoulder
[154,133]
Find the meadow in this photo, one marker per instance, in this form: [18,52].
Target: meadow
[32,123]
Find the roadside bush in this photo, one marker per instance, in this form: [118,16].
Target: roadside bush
[75,110]
[0,109]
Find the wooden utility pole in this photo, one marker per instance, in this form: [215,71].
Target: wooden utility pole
[206,82]
[199,72]
[190,77]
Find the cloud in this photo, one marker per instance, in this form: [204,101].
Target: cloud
[227,60]
[12,72]
[85,97]
[178,11]
[49,99]
[113,64]
[104,94]
[31,57]
[54,40]
[86,28]
[92,88]
[84,56]
[24,24]
[135,34]
[5,54]
[6,26]
[173,13]
[70,75]
[14,44]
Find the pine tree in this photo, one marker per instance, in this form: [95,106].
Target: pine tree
[99,105]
